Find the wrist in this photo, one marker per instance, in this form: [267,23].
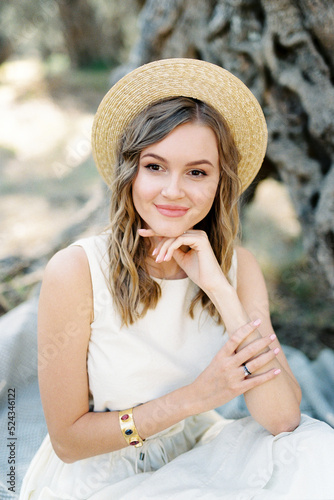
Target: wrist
[219,289]
[228,305]
[128,428]
[217,285]
[159,414]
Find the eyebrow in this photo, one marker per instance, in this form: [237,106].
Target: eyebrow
[190,164]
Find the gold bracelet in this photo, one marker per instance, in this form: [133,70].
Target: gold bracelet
[128,428]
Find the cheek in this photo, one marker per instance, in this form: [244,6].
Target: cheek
[206,195]
[142,190]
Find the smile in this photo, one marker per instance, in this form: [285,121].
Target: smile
[172,210]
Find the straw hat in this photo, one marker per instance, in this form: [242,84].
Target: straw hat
[188,78]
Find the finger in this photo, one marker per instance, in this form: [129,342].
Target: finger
[254,348]
[161,250]
[256,380]
[175,245]
[147,233]
[192,239]
[171,244]
[261,360]
[158,246]
[245,370]
[251,367]
[239,336]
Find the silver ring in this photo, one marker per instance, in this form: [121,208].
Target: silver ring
[247,372]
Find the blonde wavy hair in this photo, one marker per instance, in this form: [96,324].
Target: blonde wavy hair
[132,288]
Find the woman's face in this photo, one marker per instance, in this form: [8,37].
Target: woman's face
[177,180]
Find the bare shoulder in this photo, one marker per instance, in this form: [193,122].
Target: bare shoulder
[247,263]
[249,276]
[69,262]
[246,257]
[67,278]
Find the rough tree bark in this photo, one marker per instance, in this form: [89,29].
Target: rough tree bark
[283,50]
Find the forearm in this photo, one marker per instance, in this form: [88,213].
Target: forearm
[96,433]
[275,404]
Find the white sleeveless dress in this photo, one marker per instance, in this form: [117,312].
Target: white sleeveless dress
[204,456]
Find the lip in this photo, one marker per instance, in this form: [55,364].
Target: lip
[172,210]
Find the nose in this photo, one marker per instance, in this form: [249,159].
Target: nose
[172,188]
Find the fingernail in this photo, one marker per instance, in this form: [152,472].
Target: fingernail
[273,336]
[154,252]
[257,322]
[276,372]
[277,350]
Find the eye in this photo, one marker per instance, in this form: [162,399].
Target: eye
[197,173]
[153,166]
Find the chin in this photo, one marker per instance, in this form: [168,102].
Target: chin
[170,232]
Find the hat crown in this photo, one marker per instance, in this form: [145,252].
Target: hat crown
[193,78]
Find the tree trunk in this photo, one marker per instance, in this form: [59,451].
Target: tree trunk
[82,34]
[283,50]
[6,49]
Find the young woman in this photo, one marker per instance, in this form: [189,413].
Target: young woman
[146,329]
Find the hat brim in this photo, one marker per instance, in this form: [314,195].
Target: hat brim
[187,78]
